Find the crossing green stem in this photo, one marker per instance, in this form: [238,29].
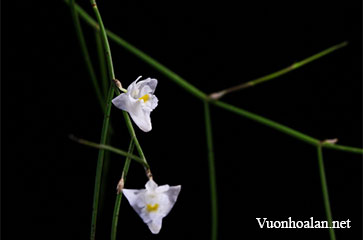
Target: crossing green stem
[279,73]
[111,149]
[212,172]
[324,187]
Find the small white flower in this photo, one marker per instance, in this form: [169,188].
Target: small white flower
[139,101]
[153,203]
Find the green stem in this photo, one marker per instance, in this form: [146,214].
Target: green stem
[267,122]
[96,195]
[101,62]
[324,187]
[104,177]
[111,149]
[105,43]
[203,96]
[116,210]
[110,95]
[284,129]
[274,75]
[133,136]
[212,172]
[85,53]
[343,148]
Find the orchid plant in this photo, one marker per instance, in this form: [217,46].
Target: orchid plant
[154,202]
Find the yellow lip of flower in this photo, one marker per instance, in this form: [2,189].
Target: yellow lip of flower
[152,208]
[146,98]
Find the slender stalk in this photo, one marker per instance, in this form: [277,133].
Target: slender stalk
[85,54]
[111,76]
[212,172]
[105,43]
[342,148]
[279,73]
[267,122]
[284,129]
[101,62]
[133,136]
[104,177]
[99,168]
[116,210]
[203,96]
[324,187]
[111,149]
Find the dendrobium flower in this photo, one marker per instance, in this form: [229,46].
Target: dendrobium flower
[139,101]
[153,203]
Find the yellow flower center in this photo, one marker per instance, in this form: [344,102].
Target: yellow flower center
[145,98]
[152,208]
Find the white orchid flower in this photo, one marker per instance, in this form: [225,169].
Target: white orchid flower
[139,101]
[153,203]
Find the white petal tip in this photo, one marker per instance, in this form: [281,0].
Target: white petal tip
[154,227]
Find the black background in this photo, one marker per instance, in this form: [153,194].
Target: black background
[47,180]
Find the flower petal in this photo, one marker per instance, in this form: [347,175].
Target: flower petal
[135,198]
[147,86]
[122,102]
[162,188]
[140,117]
[151,185]
[155,225]
[133,85]
[172,194]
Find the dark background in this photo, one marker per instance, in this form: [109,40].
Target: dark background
[47,180]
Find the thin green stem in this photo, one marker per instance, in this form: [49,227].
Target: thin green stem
[212,172]
[284,129]
[343,148]
[279,73]
[133,136]
[85,54]
[111,149]
[99,168]
[101,62]
[267,122]
[104,39]
[116,210]
[104,177]
[203,96]
[324,187]
[110,95]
